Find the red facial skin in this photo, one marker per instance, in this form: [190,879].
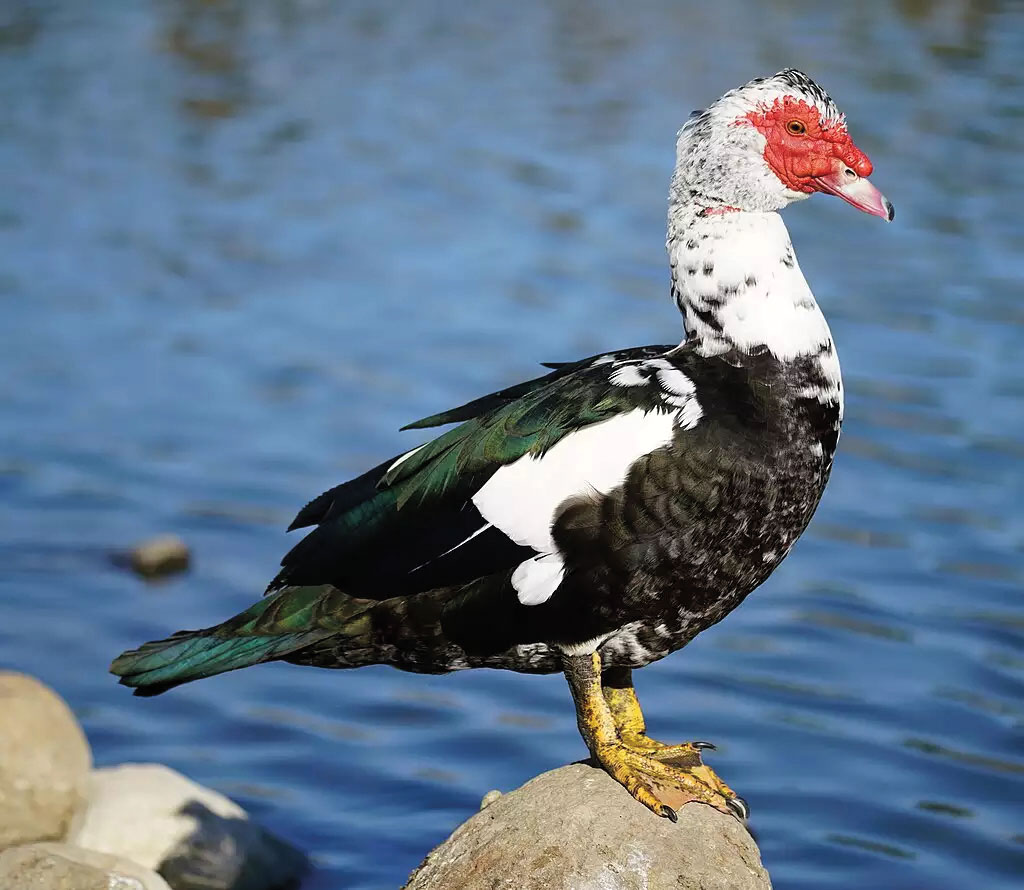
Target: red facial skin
[798,159]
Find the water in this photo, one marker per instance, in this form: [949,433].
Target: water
[243,242]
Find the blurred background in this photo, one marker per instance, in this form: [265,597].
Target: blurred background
[244,241]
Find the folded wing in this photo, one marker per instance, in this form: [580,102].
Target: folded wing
[480,498]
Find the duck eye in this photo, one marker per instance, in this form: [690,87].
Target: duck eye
[796,128]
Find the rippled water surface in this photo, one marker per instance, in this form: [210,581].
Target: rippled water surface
[243,242]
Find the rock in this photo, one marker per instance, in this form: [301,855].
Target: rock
[489,798]
[44,762]
[196,838]
[576,828]
[65,867]
[157,557]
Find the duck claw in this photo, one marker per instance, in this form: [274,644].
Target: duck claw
[739,807]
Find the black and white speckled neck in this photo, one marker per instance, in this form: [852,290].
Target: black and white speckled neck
[739,288]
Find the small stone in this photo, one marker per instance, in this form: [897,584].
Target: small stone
[51,866]
[158,557]
[196,838]
[577,827]
[489,798]
[44,762]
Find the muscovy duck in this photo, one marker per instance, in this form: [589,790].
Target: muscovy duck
[599,517]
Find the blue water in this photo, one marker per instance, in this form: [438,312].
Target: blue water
[241,243]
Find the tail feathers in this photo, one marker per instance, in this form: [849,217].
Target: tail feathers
[193,655]
[268,630]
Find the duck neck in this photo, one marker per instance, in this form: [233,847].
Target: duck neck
[737,283]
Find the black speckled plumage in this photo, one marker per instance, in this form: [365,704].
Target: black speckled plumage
[620,504]
[694,529]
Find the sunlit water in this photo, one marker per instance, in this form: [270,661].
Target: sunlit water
[243,242]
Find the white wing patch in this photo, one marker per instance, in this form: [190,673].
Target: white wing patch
[629,375]
[677,389]
[535,579]
[690,414]
[522,498]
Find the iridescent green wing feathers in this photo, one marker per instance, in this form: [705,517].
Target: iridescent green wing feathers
[375,530]
[460,460]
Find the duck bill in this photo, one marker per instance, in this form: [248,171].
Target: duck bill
[857,191]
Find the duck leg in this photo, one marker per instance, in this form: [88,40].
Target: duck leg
[617,686]
[661,777]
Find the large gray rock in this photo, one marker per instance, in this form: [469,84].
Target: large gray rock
[196,838]
[65,867]
[44,762]
[576,829]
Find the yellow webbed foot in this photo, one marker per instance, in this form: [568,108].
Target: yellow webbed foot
[674,774]
[663,787]
[653,788]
